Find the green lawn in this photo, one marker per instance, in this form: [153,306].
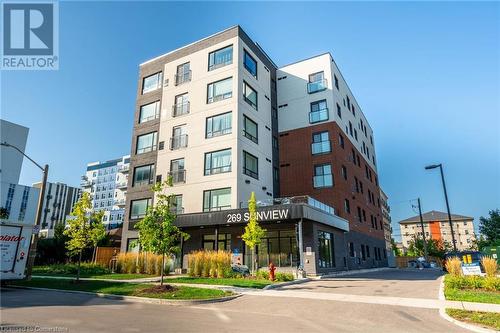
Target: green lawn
[120,288]
[486,319]
[478,295]
[109,276]
[235,282]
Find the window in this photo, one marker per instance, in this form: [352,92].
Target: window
[325,250]
[317,82]
[250,165]
[363,253]
[138,208]
[149,112]
[183,74]
[177,171]
[217,162]
[220,90]
[344,172]
[143,175]
[152,82]
[176,205]
[351,249]
[249,63]
[321,143]
[336,81]
[323,176]
[341,141]
[319,112]
[179,137]
[249,95]
[347,206]
[250,129]
[348,102]
[339,111]
[220,58]
[146,143]
[350,128]
[219,199]
[219,125]
[223,242]
[181,105]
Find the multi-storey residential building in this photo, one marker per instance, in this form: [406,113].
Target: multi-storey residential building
[387,220]
[11,161]
[19,201]
[107,184]
[437,226]
[207,116]
[58,203]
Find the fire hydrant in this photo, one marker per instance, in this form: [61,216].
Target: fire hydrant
[272,268]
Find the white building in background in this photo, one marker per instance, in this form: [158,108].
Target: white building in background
[11,161]
[57,205]
[107,184]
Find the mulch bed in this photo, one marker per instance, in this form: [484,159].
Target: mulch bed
[159,289]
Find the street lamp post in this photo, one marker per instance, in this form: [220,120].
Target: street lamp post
[34,238]
[440,166]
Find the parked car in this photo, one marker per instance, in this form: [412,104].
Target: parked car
[475,257]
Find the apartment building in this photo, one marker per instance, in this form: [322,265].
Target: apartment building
[208,115]
[386,219]
[106,182]
[437,227]
[58,203]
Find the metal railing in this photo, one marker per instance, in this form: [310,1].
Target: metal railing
[216,209]
[120,202]
[146,149]
[121,185]
[179,141]
[250,136]
[316,86]
[220,97]
[124,168]
[180,109]
[182,77]
[250,173]
[221,169]
[178,176]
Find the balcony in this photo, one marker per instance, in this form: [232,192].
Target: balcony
[321,147]
[319,115]
[182,78]
[121,185]
[316,86]
[216,209]
[323,181]
[87,183]
[180,109]
[124,168]
[120,202]
[179,141]
[177,210]
[178,176]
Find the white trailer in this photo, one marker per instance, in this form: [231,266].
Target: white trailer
[15,240]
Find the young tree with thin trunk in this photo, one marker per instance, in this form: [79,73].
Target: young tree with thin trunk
[253,231]
[84,230]
[157,232]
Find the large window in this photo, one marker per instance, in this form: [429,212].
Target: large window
[250,165]
[326,258]
[149,112]
[219,125]
[179,137]
[319,112]
[220,58]
[250,129]
[223,243]
[321,143]
[181,105]
[219,199]
[317,82]
[138,208]
[249,95]
[220,90]
[151,82]
[177,171]
[146,143]
[249,63]
[323,176]
[176,204]
[144,175]
[218,162]
[183,74]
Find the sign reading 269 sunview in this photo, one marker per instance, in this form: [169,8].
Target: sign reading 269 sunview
[265,215]
[30,37]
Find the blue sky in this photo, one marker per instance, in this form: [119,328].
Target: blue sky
[427,76]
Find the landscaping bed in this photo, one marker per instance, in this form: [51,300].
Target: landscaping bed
[472,289]
[126,289]
[485,319]
[235,282]
[86,271]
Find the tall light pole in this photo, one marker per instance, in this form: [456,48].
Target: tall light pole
[440,166]
[34,238]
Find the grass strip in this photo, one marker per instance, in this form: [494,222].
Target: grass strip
[485,319]
[235,282]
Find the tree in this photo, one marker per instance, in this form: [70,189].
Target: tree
[436,248]
[52,250]
[84,230]
[489,228]
[157,232]
[4,213]
[397,251]
[253,231]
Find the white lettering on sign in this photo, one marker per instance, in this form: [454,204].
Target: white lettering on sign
[268,215]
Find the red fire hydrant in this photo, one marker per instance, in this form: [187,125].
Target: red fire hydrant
[272,268]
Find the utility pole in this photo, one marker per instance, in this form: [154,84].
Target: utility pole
[423,231]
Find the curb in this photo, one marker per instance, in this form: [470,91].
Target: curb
[353,272]
[137,299]
[284,284]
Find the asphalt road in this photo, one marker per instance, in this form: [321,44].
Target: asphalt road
[83,313]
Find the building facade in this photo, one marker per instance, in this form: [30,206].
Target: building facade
[11,161]
[437,227]
[106,182]
[19,201]
[58,203]
[207,116]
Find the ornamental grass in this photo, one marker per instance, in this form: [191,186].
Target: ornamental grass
[214,264]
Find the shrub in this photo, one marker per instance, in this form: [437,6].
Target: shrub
[473,282]
[262,274]
[490,266]
[214,264]
[283,277]
[71,269]
[142,263]
[491,283]
[454,266]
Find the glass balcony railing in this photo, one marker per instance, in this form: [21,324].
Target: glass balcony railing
[180,109]
[319,115]
[179,141]
[320,147]
[323,181]
[316,86]
[178,176]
